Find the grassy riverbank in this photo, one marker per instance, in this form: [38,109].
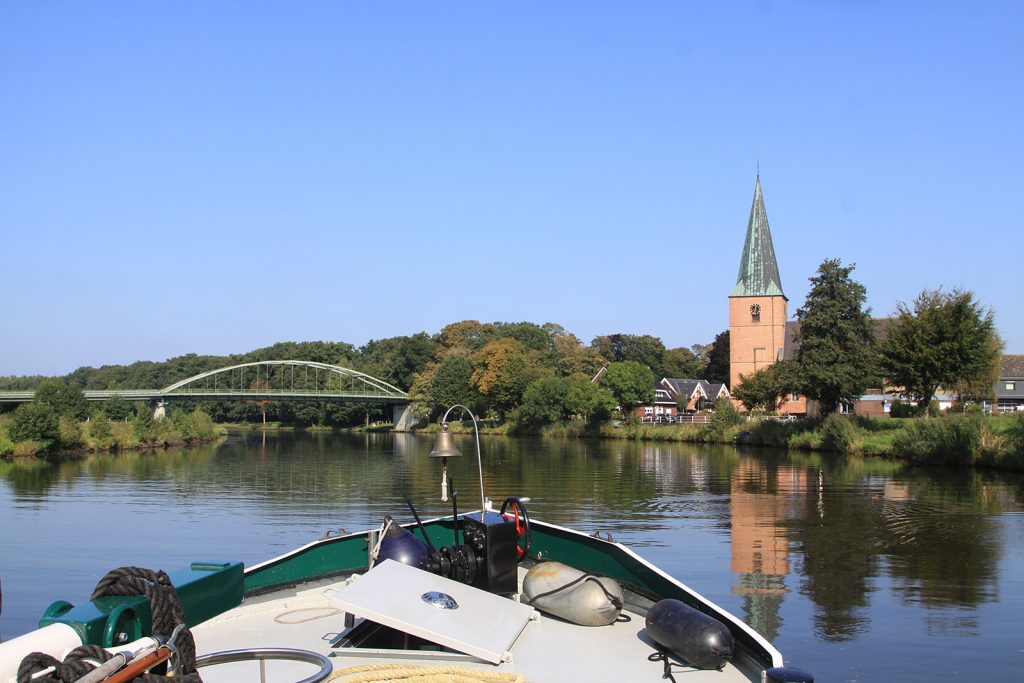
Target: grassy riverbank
[100,434]
[956,440]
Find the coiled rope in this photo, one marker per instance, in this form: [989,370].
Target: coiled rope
[166,612]
[412,673]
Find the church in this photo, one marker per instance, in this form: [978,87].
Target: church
[760,332]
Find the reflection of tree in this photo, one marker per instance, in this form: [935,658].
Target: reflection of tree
[943,547]
[838,538]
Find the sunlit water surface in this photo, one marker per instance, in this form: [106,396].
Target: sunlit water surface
[856,570]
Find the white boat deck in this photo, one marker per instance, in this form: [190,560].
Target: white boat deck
[548,649]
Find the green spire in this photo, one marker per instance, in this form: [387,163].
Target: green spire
[759,273]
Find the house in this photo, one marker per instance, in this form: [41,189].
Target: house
[670,394]
[1009,388]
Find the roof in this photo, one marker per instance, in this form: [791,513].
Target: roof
[759,271]
[681,387]
[1011,366]
[713,389]
[879,327]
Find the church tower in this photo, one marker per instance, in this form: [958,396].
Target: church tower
[757,306]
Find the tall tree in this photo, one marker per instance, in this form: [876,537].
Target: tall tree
[66,400]
[681,363]
[836,360]
[502,373]
[948,340]
[717,368]
[632,384]
[642,348]
[397,359]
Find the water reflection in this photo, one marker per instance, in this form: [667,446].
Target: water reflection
[818,546]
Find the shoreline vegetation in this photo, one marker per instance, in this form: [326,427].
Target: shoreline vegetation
[100,434]
[956,440]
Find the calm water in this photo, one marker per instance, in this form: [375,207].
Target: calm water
[858,571]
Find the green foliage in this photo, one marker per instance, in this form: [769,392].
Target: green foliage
[116,408]
[100,432]
[681,363]
[70,433]
[836,360]
[397,360]
[643,349]
[723,419]
[767,387]
[838,434]
[632,384]
[453,383]
[949,440]
[948,340]
[36,422]
[65,399]
[899,409]
[717,369]
[545,401]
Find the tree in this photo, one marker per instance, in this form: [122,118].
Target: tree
[66,400]
[591,401]
[37,422]
[116,408]
[681,363]
[572,359]
[453,383]
[632,384]
[948,340]
[717,369]
[644,349]
[397,359]
[766,388]
[501,374]
[836,360]
[545,401]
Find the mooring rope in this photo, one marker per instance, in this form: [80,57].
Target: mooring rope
[166,615]
[412,673]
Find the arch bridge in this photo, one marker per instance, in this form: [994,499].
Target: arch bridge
[267,380]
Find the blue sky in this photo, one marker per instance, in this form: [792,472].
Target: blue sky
[213,177]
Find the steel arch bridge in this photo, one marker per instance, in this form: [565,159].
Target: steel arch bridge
[268,380]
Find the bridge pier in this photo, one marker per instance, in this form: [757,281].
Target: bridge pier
[403,420]
[159,410]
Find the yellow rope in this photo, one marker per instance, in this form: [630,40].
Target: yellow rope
[412,673]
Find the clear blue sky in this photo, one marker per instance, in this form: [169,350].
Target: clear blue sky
[213,177]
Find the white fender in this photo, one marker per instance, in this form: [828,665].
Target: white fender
[570,594]
[55,640]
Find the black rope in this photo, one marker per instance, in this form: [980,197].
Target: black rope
[167,614]
[616,602]
[662,656]
[163,603]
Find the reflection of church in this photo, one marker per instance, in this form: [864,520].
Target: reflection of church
[761,496]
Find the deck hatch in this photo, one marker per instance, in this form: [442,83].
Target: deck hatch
[484,626]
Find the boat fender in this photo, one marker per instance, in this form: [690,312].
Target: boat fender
[701,641]
[787,674]
[570,594]
[400,545]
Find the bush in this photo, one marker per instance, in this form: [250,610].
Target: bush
[949,440]
[724,418]
[901,409]
[35,422]
[838,434]
[70,431]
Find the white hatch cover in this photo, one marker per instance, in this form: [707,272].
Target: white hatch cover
[417,602]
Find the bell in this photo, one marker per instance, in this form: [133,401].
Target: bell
[444,445]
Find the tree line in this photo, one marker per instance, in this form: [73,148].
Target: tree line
[531,373]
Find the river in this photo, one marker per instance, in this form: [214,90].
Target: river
[858,570]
